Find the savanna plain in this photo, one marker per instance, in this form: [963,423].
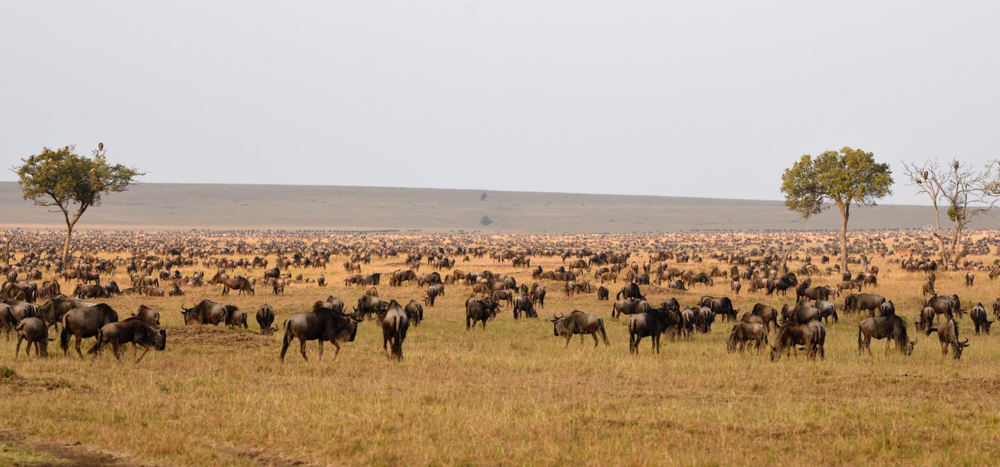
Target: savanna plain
[512,393]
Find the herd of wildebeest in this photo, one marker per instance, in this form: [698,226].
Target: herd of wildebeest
[41,292]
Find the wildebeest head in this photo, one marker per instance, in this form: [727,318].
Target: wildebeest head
[559,325]
[959,346]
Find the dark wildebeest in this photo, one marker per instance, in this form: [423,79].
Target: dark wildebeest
[522,303]
[503,295]
[90,291]
[704,319]
[979,319]
[236,317]
[414,311]
[863,302]
[948,335]
[677,284]
[790,334]
[602,293]
[479,310]
[782,285]
[721,306]
[35,331]
[323,324]
[735,285]
[630,291]
[148,315]
[85,322]
[132,330]
[925,318]
[887,308]
[265,319]
[768,314]
[433,291]
[744,333]
[689,317]
[52,312]
[580,323]
[538,295]
[394,326]
[947,305]
[370,307]
[802,313]
[651,323]
[671,304]
[205,312]
[826,310]
[629,306]
[892,328]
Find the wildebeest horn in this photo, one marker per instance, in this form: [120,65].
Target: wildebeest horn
[186,310]
[965,343]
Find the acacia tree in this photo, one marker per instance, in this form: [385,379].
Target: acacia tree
[845,177]
[967,193]
[71,183]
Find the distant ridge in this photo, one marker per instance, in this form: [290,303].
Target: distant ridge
[168,206]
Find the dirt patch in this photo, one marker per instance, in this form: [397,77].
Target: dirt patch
[260,457]
[218,336]
[11,381]
[20,451]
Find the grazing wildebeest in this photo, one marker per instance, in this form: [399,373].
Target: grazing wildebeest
[85,322]
[503,295]
[887,308]
[671,304]
[522,303]
[240,283]
[538,295]
[629,306]
[689,317]
[265,319]
[35,331]
[580,323]
[892,328]
[132,330]
[651,323]
[90,291]
[705,318]
[414,311]
[479,310]
[720,306]
[735,285]
[782,285]
[602,293]
[205,312]
[236,317]
[863,302]
[948,335]
[743,333]
[979,319]
[322,324]
[925,318]
[394,326]
[433,291]
[802,313]
[969,279]
[369,306]
[826,310]
[947,305]
[630,291]
[148,315]
[790,334]
[768,314]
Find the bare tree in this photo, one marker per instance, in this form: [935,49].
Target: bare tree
[966,192]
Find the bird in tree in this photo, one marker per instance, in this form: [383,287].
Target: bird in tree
[71,182]
[841,178]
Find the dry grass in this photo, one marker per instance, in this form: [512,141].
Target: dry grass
[512,394]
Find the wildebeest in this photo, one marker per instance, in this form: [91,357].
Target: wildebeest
[35,331]
[811,336]
[522,303]
[580,323]
[602,293]
[827,310]
[892,328]
[205,312]
[949,305]
[768,314]
[90,291]
[322,324]
[52,312]
[782,285]
[948,335]
[503,295]
[132,330]
[415,311]
[538,295]
[630,291]
[148,315]
[650,323]
[628,306]
[85,322]
[721,306]
[477,310]
[704,319]
[433,291]
[394,326]
[236,317]
[925,318]
[863,302]
[265,319]
[979,319]
[744,333]
[240,283]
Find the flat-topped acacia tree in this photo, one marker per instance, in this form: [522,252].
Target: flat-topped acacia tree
[72,183]
[842,178]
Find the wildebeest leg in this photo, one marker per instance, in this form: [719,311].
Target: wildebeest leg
[79,340]
[302,349]
[117,349]
[18,349]
[336,345]
[321,350]
[596,341]
[568,339]
[145,350]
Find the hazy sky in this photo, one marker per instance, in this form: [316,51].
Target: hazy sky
[629,97]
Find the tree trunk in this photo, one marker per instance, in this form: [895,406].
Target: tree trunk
[845,214]
[69,235]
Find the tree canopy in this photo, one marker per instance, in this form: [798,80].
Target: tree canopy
[845,177]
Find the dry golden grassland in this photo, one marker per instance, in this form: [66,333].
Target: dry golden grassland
[511,394]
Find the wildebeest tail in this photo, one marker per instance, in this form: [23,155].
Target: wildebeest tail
[287,340]
[930,330]
[604,335]
[64,336]
[397,344]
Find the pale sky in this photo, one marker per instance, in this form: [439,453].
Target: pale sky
[706,99]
